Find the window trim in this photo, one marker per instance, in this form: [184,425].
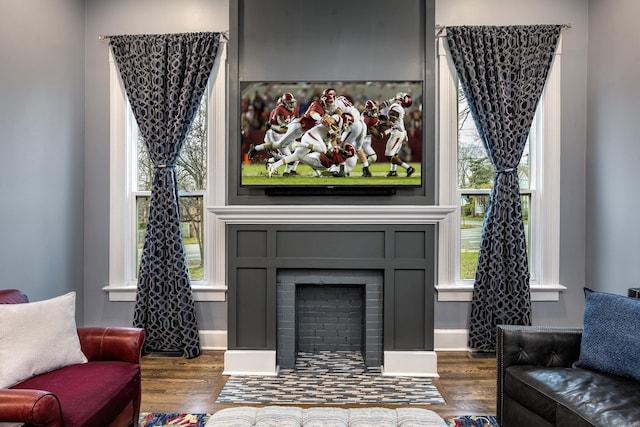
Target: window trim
[546,179]
[122,284]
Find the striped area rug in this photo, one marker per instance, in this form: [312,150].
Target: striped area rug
[337,378]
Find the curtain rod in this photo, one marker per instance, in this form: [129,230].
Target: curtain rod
[442,28]
[225,36]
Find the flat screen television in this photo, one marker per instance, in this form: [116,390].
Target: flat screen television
[329,137]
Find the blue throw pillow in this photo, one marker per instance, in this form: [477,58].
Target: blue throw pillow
[611,335]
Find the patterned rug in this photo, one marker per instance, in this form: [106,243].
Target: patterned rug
[199,420]
[330,378]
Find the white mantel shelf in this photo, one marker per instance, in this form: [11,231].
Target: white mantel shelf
[331,214]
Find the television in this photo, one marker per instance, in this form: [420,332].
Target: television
[291,151]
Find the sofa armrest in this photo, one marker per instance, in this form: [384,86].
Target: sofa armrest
[13,296]
[36,407]
[537,346]
[112,343]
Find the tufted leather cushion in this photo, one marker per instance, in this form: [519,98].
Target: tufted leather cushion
[89,393]
[247,416]
[572,396]
[538,387]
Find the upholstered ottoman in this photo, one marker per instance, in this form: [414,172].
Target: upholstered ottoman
[290,416]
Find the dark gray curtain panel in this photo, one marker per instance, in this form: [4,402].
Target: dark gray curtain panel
[165,76]
[502,71]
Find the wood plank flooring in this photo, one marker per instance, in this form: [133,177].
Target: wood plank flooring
[191,386]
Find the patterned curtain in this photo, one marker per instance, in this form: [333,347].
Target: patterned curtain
[165,77]
[502,71]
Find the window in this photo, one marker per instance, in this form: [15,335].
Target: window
[475,175]
[191,173]
[466,178]
[131,176]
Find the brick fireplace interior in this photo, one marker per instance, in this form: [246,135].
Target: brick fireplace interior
[329,310]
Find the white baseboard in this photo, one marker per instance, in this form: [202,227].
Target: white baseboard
[250,362]
[451,339]
[410,364]
[213,339]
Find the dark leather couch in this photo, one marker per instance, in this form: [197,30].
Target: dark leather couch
[537,385]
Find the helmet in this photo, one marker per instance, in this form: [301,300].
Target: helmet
[330,91]
[288,100]
[371,107]
[328,102]
[349,150]
[331,123]
[394,113]
[348,120]
[404,99]
[339,121]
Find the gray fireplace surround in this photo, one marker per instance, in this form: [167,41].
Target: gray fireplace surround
[268,263]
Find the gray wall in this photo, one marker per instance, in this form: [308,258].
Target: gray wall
[41,147]
[567,311]
[126,17]
[613,153]
[43,227]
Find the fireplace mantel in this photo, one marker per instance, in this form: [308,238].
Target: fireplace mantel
[331,214]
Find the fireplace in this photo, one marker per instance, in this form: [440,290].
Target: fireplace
[394,244]
[329,310]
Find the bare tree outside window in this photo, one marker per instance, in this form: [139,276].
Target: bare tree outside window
[475,180]
[191,172]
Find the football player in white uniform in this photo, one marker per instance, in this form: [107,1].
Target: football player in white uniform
[393,125]
[317,139]
[344,167]
[358,129]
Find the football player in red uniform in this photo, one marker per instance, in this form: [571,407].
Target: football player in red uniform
[370,115]
[285,111]
[330,160]
[298,126]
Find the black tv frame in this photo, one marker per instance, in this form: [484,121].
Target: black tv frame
[357,92]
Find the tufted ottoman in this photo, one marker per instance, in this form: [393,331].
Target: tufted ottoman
[290,416]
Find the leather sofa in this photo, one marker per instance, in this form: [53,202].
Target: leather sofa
[537,385]
[105,391]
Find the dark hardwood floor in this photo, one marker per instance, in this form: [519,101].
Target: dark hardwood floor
[468,385]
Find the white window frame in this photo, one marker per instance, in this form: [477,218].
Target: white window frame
[122,284]
[545,188]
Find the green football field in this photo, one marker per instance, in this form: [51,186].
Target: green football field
[256,174]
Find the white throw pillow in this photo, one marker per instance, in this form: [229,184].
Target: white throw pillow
[38,337]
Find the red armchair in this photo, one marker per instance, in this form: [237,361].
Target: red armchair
[105,391]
